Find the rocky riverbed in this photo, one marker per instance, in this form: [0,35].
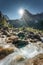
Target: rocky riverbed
[20,47]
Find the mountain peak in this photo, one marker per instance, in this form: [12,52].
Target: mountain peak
[27,12]
[27,15]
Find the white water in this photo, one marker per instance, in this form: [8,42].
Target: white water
[28,52]
[42,38]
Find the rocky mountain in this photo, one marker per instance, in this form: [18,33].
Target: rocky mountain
[28,19]
[35,21]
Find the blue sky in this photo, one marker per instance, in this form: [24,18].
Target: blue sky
[11,7]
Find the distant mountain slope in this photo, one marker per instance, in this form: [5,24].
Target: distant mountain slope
[29,19]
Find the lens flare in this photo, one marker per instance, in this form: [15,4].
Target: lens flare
[21,12]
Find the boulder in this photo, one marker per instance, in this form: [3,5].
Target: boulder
[20,43]
[14,38]
[30,36]
[5,51]
[37,60]
[19,58]
[11,39]
[6,33]
[31,33]
[21,34]
[34,36]
[37,37]
[33,40]
[42,39]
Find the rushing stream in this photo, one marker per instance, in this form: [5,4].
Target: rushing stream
[28,51]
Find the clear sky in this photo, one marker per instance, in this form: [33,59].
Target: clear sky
[11,7]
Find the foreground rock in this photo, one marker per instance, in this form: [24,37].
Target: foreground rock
[5,51]
[21,56]
[20,60]
[37,60]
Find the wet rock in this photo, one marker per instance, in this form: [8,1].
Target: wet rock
[33,40]
[15,33]
[6,33]
[37,60]
[5,28]
[21,34]
[3,36]
[34,36]
[20,43]
[11,39]
[37,37]
[19,58]
[30,36]
[31,33]
[40,44]
[5,51]
[42,39]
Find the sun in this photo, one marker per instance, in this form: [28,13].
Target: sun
[21,12]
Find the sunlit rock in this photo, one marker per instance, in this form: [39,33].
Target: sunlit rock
[5,51]
[19,58]
[11,39]
[37,60]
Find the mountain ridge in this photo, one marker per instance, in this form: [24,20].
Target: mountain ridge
[28,20]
